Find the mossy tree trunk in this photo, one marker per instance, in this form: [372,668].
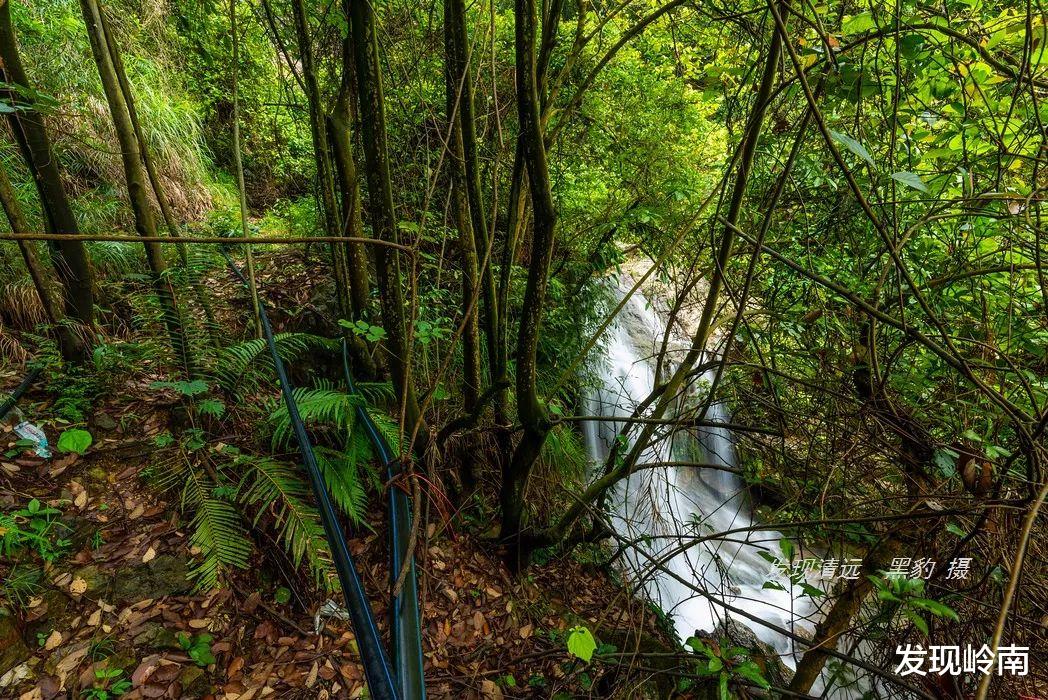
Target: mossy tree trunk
[137,184]
[530,410]
[456,84]
[384,221]
[32,264]
[27,125]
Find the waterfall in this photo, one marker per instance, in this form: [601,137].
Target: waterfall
[665,508]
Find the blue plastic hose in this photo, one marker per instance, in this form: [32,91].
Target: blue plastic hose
[372,654]
[404,611]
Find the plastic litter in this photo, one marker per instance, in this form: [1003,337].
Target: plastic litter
[30,431]
[329,609]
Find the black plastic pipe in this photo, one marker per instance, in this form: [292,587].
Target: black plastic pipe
[372,654]
[11,400]
[404,611]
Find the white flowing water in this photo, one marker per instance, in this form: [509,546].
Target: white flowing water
[665,509]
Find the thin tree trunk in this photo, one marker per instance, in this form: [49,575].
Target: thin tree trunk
[456,82]
[529,409]
[514,224]
[36,272]
[341,128]
[239,164]
[69,257]
[136,183]
[322,158]
[384,222]
[457,52]
[154,179]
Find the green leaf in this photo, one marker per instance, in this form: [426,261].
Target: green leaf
[917,620]
[74,440]
[751,672]
[859,23]
[910,180]
[956,530]
[699,647]
[212,407]
[282,595]
[581,643]
[853,146]
[936,608]
[946,460]
[190,388]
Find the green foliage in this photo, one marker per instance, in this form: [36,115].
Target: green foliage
[907,596]
[217,530]
[74,440]
[21,583]
[235,362]
[363,329]
[193,387]
[581,643]
[109,683]
[197,647]
[728,665]
[274,487]
[35,528]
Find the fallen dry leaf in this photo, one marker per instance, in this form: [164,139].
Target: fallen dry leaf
[149,556]
[53,640]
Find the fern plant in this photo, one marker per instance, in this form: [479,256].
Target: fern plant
[225,491]
[217,531]
[347,467]
[236,362]
[278,488]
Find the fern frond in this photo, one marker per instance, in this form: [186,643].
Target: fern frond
[217,531]
[219,534]
[327,407]
[234,361]
[388,427]
[341,472]
[275,487]
[564,453]
[376,392]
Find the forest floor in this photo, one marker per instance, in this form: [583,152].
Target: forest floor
[119,598]
[116,605]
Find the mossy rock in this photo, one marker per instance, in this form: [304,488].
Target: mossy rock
[194,682]
[154,635]
[13,649]
[166,575]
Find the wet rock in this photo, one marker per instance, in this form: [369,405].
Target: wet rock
[97,580]
[769,660]
[166,575]
[48,614]
[13,650]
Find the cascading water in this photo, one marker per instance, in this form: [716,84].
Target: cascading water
[664,508]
